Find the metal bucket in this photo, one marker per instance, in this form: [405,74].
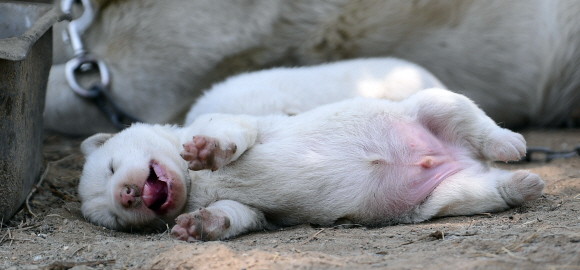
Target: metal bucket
[25,61]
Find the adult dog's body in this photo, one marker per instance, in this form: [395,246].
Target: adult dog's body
[366,161]
[519,60]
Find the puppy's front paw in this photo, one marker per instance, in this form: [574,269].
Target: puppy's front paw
[201,225]
[205,152]
[504,145]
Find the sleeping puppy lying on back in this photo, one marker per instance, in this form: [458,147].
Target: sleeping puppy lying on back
[368,161]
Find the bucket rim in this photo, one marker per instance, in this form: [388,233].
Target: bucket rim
[16,48]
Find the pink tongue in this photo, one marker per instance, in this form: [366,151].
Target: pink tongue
[154,192]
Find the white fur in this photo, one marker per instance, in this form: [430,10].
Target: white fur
[368,161]
[295,90]
[519,60]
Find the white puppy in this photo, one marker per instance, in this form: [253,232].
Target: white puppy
[368,161]
[291,91]
[519,59]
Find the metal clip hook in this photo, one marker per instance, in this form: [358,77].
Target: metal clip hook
[81,64]
[78,26]
[82,61]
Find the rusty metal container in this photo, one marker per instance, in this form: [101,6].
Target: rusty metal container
[25,61]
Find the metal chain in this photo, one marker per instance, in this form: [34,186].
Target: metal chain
[118,117]
[545,154]
[84,63]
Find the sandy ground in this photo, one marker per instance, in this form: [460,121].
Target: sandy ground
[543,234]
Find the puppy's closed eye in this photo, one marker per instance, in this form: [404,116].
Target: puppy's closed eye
[111,167]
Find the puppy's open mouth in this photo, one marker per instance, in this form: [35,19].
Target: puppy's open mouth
[156,190]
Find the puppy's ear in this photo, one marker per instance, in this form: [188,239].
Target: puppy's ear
[94,142]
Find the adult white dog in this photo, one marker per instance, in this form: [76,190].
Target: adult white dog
[519,60]
[367,161]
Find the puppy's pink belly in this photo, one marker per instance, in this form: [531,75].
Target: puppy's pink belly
[428,162]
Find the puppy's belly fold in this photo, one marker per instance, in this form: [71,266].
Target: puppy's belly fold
[433,172]
[400,187]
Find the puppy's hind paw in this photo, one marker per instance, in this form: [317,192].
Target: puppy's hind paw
[504,145]
[522,186]
[205,152]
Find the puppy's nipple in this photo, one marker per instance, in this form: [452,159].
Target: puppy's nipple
[427,162]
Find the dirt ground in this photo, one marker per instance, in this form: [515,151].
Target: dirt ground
[543,234]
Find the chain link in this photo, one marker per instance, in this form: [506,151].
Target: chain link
[118,117]
[545,154]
